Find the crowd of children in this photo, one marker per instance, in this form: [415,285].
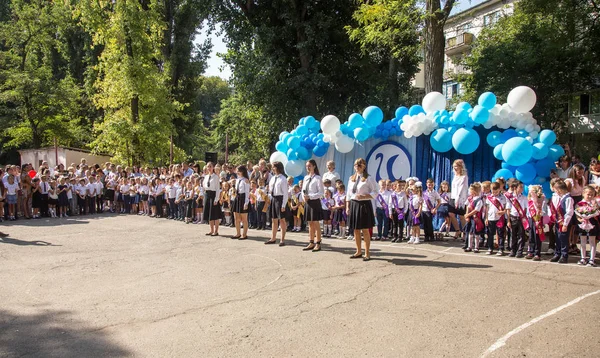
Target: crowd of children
[496,216]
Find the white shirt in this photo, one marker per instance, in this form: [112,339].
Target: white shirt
[434,199]
[124,189]
[70,192]
[242,186]
[324,203]
[44,186]
[312,187]
[364,187]
[143,189]
[258,196]
[459,192]
[214,185]
[331,176]
[492,210]
[401,200]
[415,202]
[171,191]
[522,202]
[99,187]
[568,204]
[478,204]
[279,187]
[12,188]
[81,189]
[386,195]
[91,188]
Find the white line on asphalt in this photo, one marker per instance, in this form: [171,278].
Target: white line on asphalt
[448,249]
[502,341]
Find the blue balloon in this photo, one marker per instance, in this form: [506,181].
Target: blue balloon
[291,154]
[320,151]
[465,141]
[522,133]
[540,151]
[452,129]
[286,137]
[487,100]
[361,134]
[480,114]
[546,189]
[540,180]
[310,121]
[505,165]
[321,143]
[504,173]
[387,125]
[555,152]
[526,173]
[460,116]
[508,134]
[355,121]
[401,112]
[441,140]
[282,135]
[281,146]
[385,133]
[498,151]
[395,122]
[463,105]
[293,142]
[547,136]
[517,151]
[544,166]
[493,138]
[373,115]
[303,153]
[302,121]
[415,109]
[350,134]
[320,136]
[315,127]
[302,130]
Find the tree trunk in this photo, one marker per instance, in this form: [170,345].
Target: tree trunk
[435,43]
[392,83]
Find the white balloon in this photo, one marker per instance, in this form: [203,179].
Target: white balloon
[294,167]
[537,128]
[434,101]
[487,125]
[344,144]
[504,112]
[403,126]
[512,116]
[534,134]
[326,138]
[408,135]
[496,109]
[529,128]
[521,99]
[278,157]
[330,124]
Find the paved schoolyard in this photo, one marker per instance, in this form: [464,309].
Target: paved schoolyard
[133,286]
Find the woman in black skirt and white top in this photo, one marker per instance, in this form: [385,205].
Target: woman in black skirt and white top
[278,189]
[212,191]
[362,188]
[241,202]
[312,191]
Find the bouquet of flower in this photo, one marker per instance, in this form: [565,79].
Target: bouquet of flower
[586,211]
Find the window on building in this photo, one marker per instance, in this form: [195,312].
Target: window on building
[595,103]
[491,18]
[584,104]
[460,29]
[454,89]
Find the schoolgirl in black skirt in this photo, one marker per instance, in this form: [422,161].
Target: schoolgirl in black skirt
[241,203]
[313,191]
[278,188]
[212,191]
[362,188]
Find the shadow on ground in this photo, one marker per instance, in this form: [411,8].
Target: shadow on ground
[53,334]
[11,241]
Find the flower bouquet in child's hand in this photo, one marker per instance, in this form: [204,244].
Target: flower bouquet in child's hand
[585,212]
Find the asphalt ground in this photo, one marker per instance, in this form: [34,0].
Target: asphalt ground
[130,286]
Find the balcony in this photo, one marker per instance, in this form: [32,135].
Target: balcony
[459,44]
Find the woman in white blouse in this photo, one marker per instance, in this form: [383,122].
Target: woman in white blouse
[212,191]
[312,191]
[278,188]
[241,202]
[459,193]
[362,188]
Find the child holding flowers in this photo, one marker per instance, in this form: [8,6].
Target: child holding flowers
[537,209]
[587,212]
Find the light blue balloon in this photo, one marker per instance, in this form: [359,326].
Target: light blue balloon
[498,151]
[465,141]
[281,146]
[355,121]
[293,142]
[543,166]
[301,130]
[302,153]
[361,134]
[452,129]
[415,109]
[315,127]
[526,173]
[310,121]
[493,138]
[547,136]
[401,112]
[517,151]
[540,151]
[480,114]
[294,167]
[555,152]
[320,136]
[505,165]
[373,115]
[441,140]
[302,121]
[463,105]
[508,134]
[546,189]
[282,135]
[461,116]
[291,154]
[504,173]
[540,180]
[487,100]
[445,119]
[522,133]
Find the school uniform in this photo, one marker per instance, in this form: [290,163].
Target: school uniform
[81,191]
[536,227]
[563,211]
[44,187]
[431,199]
[361,210]
[91,192]
[326,205]
[382,211]
[496,222]
[124,189]
[278,190]
[189,203]
[212,193]
[261,214]
[72,202]
[241,203]
[475,225]
[99,196]
[518,207]
[312,192]
[143,190]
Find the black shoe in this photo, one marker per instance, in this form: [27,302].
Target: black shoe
[562,260]
[555,259]
[519,256]
[512,255]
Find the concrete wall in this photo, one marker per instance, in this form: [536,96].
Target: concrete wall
[65,156]
[73,156]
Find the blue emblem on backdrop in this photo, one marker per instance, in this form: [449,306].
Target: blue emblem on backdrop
[389,160]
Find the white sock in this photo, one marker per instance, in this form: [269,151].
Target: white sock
[583,240]
[592,248]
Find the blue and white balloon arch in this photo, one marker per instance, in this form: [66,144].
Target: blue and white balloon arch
[527,152]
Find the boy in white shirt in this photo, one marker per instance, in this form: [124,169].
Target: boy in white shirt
[81,190]
[91,192]
[431,202]
[99,192]
[495,218]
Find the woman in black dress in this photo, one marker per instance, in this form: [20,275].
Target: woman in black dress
[241,202]
[313,190]
[362,188]
[212,191]
[278,190]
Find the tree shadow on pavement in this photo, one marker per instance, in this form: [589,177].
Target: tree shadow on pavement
[53,334]
[429,263]
[53,222]
[18,242]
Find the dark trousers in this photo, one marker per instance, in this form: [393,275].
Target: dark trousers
[397,227]
[172,208]
[551,237]
[383,223]
[159,205]
[99,205]
[262,216]
[562,242]
[91,204]
[252,218]
[43,205]
[82,203]
[494,230]
[427,219]
[517,235]
[535,243]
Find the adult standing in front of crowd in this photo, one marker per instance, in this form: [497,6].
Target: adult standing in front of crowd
[331,173]
[241,202]
[313,190]
[278,189]
[362,189]
[212,191]
[460,192]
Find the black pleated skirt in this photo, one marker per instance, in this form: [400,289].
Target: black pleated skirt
[276,205]
[237,206]
[361,215]
[212,212]
[339,215]
[313,210]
